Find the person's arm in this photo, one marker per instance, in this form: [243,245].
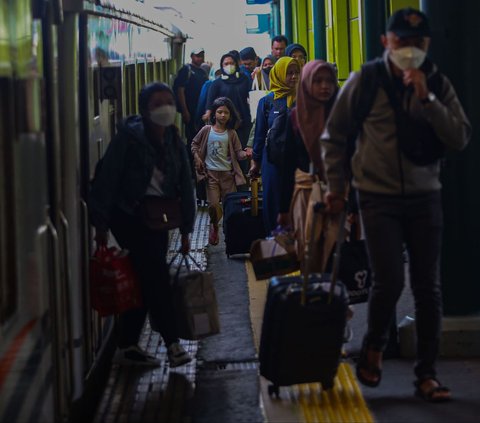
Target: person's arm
[183,77]
[287,170]
[186,193]
[106,183]
[212,95]
[237,147]
[183,105]
[447,117]
[340,124]
[261,129]
[196,146]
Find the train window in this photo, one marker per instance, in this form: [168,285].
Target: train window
[150,72]
[141,72]
[158,71]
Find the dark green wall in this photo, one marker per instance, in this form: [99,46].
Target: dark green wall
[455,49]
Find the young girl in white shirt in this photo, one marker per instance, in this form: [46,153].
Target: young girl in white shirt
[217,150]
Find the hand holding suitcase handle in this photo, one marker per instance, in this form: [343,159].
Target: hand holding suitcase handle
[321,207]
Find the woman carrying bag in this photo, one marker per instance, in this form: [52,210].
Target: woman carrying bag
[145,168]
[315,96]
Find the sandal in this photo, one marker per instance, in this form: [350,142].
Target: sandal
[364,365]
[431,394]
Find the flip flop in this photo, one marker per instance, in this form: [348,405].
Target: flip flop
[429,395]
[363,364]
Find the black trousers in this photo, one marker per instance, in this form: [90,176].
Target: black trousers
[390,222]
[148,251]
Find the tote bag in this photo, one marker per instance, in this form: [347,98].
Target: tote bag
[194,301]
[254,97]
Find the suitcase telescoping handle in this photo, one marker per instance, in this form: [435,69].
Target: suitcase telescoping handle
[254,188]
[319,208]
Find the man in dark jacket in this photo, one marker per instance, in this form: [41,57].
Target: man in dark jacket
[398,191]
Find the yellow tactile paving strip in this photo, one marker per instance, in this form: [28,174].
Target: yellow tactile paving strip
[344,403]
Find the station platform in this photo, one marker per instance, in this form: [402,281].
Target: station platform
[222,384]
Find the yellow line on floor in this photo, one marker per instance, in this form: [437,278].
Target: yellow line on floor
[344,403]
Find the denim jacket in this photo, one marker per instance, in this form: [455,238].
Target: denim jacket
[124,173]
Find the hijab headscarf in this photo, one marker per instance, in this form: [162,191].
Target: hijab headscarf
[265,75]
[311,113]
[235,77]
[292,47]
[278,75]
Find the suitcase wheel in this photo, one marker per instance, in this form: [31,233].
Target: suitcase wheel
[274,389]
[326,385]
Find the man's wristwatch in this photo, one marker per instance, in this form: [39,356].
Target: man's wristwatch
[430,98]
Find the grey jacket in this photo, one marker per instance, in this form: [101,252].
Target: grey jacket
[126,169]
[378,165]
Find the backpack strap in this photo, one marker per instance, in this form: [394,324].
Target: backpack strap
[369,82]
[368,87]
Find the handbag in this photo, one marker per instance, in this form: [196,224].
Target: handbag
[194,301]
[274,256]
[114,286]
[254,96]
[354,267]
[160,213]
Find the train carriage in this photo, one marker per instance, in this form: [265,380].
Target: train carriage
[69,72]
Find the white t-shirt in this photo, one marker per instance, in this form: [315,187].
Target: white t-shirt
[217,151]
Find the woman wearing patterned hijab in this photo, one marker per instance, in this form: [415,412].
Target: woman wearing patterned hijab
[283,87]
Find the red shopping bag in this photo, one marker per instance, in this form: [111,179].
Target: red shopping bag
[114,287]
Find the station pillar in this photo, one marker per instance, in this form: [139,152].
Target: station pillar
[453,48]
[375,22]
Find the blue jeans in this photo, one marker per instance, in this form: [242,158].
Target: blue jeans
[390,222]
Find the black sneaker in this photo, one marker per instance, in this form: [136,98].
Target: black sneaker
[177,355]
[134,355]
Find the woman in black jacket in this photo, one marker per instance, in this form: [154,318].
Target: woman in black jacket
[145,158]
[236,86]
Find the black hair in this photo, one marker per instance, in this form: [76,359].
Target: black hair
[232,55]
[234,121]
[280,39]
[235,54]
[146,93]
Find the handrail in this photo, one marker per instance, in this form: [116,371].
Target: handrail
[87,323]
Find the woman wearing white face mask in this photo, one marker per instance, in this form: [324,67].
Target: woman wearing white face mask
[236,86]
[146,158]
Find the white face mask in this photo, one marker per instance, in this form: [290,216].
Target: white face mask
[407,57]
[229,69]
[163,115]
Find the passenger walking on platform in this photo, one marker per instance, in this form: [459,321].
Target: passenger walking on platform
[315,97]
[248,61]
[283,85]
[279,44]
[398,186]
[236,86]
[187,87]
[217,151]
[298,52]
[145,158]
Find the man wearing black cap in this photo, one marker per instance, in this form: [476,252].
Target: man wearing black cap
[413,115]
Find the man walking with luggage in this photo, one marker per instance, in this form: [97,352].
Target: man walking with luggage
[397,178]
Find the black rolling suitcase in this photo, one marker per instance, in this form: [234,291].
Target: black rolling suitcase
[242,220]
[303,326]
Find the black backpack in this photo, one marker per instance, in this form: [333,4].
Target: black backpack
[417,141]
[277,134]
[176,86]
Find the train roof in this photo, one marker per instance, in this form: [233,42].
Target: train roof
[147,13]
